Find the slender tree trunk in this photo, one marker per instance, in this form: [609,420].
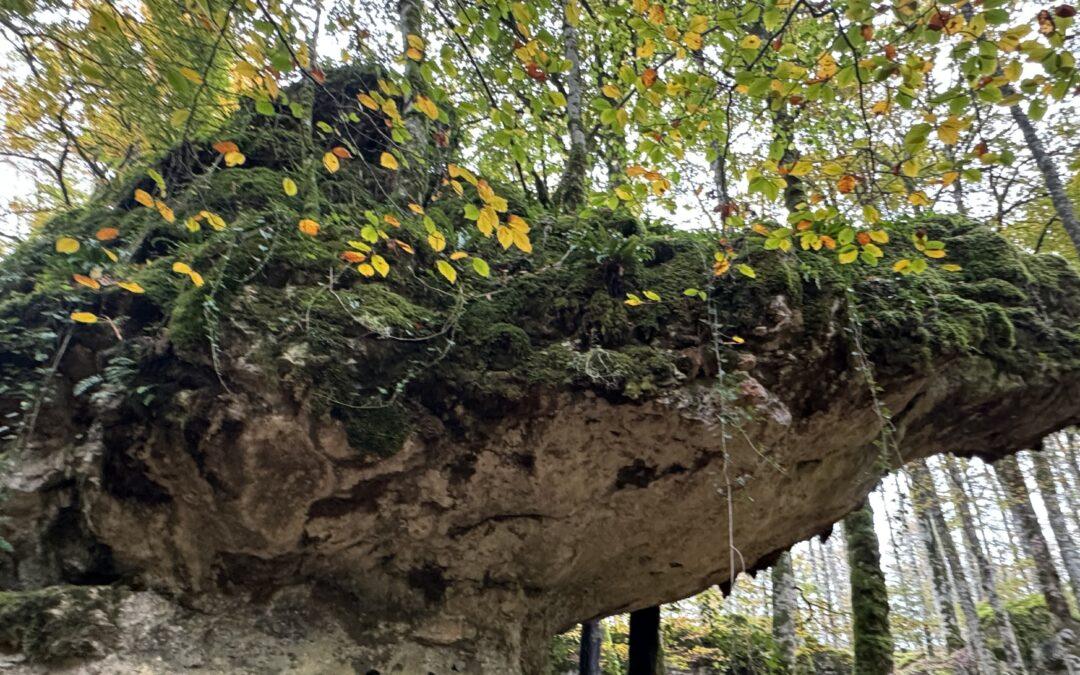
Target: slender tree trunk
[1007,518]
[821,578]
[1070,555]
[784,611]
[1058,197]
[571,190]
[645,655]
[1008,471]
[1070,487]
[873,640]
[589,652]
[943,590]
[926,500]
[1002,624]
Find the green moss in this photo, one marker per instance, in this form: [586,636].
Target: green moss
[873,643]
[59,622]
[378,431]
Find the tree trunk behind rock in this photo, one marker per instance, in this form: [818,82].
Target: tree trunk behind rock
[646,657]
[1070,554]
[926,498]
[873,643]
[1008,471]
[1002,624]
[785,609]
[944,594]
[589,655]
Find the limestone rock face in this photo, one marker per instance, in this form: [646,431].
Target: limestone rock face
[276,473]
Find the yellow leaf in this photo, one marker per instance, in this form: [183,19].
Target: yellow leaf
[880,108]
[826,66]
[308,227]
[934,253]
[191,75]
[950,267]
[800,168]
[848,257]
[918,198]
[414,53]
[652,295]
[234,158]
[901,265]
[879,236]
[750,42]
[380,265]
[646,49]
[165,211]
[693,40]
[84,317]
[505,236]
[181,268]
[391,219]
[388,161]
[144,198]
[487,221]
[748,271]
[196,278]
[415,41]
[110,255]
[416,208]
[459,255]
[216,221]
[367,101]
[437,241]
[366,270]
[428,107]
[86,281]
[192,224]
[447,270]
[632,300]
[611,91]
[289,186]
[517,224]
[910,168]
[131,286]
[521,240]
[330,161]
[67,245]
[949,177]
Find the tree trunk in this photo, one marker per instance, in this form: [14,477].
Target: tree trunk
[1070,556]
[869,599]
[1066,479]
[943,588]
[784,611]
[645,655]
[926,498]
[1008,471]
[1058,197]
[1002,624]
[589,652]
[571,190]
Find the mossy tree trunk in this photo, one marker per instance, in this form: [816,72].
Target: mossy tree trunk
[873,643]
[571,190]
[646,657]
[1070,555]
[589,653]
[923,484]
[1002,624]
[784,611]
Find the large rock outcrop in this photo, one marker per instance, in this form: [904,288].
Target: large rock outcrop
[293,468]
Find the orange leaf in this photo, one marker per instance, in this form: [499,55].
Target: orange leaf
[107,234]
[225,147]
[86,281]
[308,227]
